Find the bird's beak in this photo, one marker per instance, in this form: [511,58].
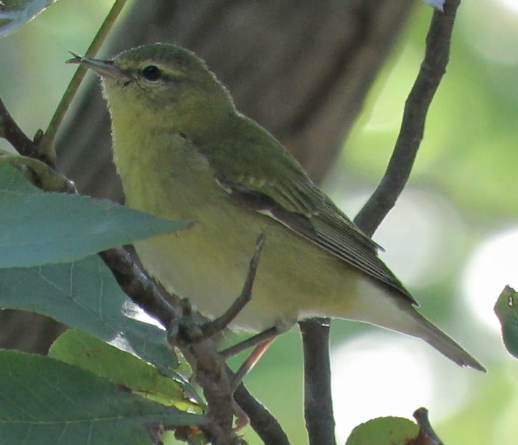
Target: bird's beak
[105,68]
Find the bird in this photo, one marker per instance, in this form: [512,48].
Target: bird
[184,152]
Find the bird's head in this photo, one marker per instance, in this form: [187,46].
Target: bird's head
[161,85]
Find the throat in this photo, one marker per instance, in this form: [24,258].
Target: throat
[163,173]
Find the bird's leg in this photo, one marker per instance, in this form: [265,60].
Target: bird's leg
[266,336]
[217,325]
[260,342]
[250,362]
[242,419]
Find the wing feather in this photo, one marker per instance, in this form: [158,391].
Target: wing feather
[327,227]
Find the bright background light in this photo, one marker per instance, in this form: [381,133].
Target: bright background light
[493,265]
[391,375]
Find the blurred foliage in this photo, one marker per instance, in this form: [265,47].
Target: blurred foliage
[15,13]
[465,171]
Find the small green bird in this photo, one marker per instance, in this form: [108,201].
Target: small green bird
[184,152]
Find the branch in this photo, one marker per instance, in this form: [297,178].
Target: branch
[206,362]
[10,131]
[414,117]
[141,289]
[261,420]
[318,400]
[202,356]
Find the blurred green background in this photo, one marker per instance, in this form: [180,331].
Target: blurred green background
[453,237]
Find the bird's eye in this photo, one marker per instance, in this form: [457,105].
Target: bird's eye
[152,73]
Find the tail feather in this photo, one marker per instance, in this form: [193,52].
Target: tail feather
[444,344]
[377,306]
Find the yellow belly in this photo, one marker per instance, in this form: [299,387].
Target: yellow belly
[209,262]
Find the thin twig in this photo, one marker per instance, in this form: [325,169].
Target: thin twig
[10,131]
[217,325]
[47,143]
[414,118]
[318,400]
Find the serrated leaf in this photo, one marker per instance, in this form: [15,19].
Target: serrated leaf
[384,431]
[506,309]
[78,348]
[46,401]
[85,295]
[46,228]
[15,13]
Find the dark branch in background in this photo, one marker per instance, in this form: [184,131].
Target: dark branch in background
[318,400]
[10,131]
[261,420]
[412,127]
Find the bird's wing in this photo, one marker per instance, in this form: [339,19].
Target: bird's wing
[274,184]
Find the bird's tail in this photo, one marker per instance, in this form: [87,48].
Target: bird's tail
[392,311]
[440,341]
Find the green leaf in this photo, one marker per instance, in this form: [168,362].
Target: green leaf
[78,348]
[384,431]
[506,311]
[46,401]
[15,13]
[46,228]
[85,295]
